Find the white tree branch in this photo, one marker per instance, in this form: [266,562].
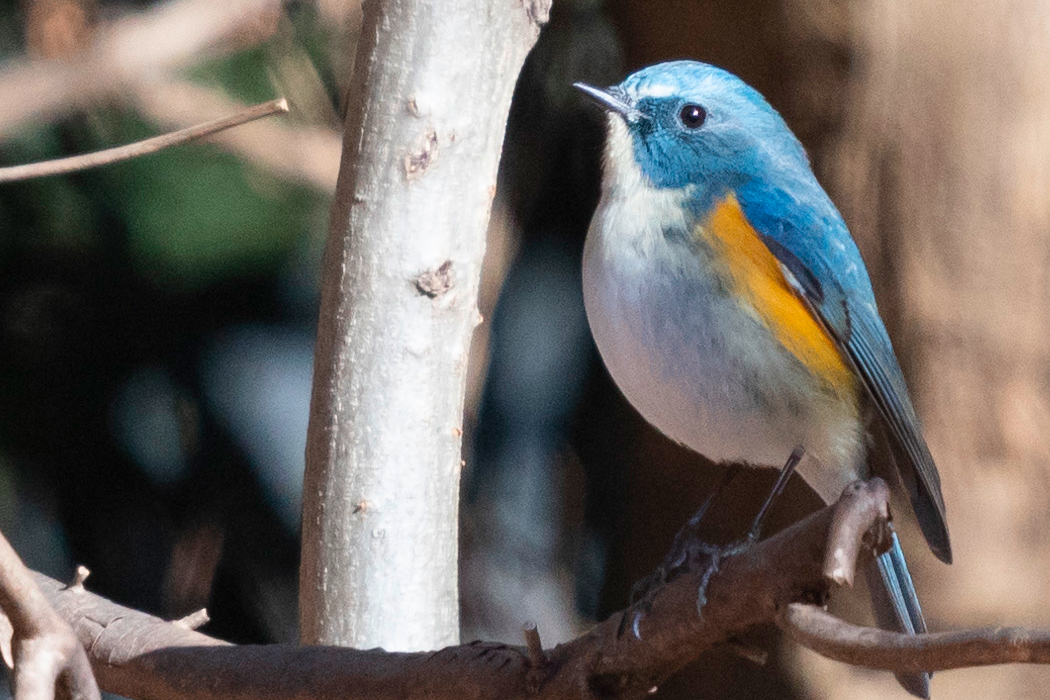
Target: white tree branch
[425,122]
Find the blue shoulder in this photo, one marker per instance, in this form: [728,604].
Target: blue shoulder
[806,233]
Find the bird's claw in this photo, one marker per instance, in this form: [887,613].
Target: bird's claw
[689,553]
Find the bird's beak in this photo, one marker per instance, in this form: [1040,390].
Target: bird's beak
[611,100]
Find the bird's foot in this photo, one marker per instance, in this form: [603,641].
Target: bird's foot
[691,556]
[689,553]
[755,531]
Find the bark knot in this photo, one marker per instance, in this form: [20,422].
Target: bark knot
[434,283]
[538,11]
[417,162]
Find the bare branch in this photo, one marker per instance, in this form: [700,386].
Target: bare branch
[131,49]
[850,533]
[43,650]
[194,620]
[297,151]
[834,638]
[534,645]
[138,655]
[62,166]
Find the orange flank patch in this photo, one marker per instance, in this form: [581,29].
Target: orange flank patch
[754,273]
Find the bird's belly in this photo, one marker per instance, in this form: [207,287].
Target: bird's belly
[702,368]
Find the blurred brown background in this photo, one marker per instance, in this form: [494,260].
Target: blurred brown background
[156,317]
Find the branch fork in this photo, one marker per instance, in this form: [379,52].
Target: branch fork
[778,579]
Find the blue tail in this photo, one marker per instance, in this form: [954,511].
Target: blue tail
[897,607]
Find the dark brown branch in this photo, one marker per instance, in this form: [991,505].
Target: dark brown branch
[836,639]
[44,652]
[62,166]
[138,655]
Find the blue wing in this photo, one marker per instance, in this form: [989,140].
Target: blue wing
[808,237]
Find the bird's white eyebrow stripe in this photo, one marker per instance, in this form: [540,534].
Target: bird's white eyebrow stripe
[656,90]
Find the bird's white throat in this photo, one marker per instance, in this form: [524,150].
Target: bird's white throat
[632,211]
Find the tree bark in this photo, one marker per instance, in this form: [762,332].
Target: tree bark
[624,658]
[424,128]
[41,648]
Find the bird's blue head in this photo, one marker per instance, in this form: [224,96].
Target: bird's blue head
[689,123]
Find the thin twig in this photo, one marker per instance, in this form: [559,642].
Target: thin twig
[535,647]
[194,620]
[132,49]
[849,531]
[79,576]
[837,639]
[284,147]
[756,655]
[62,166]
[139,656]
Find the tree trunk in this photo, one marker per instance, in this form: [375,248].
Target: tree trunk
[427,110]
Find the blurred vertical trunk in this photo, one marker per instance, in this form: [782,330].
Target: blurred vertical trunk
[943,172]
[427,110]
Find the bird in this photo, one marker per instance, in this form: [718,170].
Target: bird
[731,306]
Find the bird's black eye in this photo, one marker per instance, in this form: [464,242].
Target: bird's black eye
[692,116]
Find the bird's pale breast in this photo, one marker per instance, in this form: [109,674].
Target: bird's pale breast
[705,337]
